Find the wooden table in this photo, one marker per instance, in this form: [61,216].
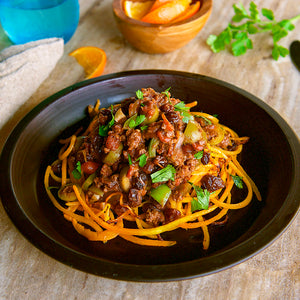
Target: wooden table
[27,273]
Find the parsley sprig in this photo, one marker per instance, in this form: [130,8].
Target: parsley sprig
[202,201]
[103,129]
[236,37]
[184,111]
[77,171]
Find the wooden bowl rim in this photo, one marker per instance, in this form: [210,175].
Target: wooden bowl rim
[205,8]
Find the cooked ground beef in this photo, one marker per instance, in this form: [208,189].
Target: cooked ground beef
[147,136]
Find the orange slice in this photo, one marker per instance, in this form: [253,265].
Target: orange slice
[159,3]
[189,12]
[92,59]
[166,12]
[137,10]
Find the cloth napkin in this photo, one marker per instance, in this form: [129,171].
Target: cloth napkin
[22,70]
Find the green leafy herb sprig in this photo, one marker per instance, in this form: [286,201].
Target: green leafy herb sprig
[236,37]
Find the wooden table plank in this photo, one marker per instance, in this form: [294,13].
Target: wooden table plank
[27,273]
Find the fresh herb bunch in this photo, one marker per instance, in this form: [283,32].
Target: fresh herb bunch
[236,37]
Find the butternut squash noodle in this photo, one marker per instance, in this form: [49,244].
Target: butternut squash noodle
[104,191]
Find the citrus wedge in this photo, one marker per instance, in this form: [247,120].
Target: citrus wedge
[137,10]
[92,59]
[159,3]
[189,12]
[166,12]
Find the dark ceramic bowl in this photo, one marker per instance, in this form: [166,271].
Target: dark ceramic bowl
[271,157]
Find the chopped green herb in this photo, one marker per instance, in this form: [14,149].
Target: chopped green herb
[103,129]
[180,106]
[184,111]
[238,181]
[129,160]
[164,174]
[137,121]
[199,154]
[139,94]
[202,201]
[142,160]
[144,127]
[236,36]
[166,93]
[77,171]
[186,117]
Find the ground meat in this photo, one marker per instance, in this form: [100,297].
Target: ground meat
[225,142]
[105,170]
[113,142]
[211,131]
[148,109]
[134,139]
[212,183]
[153,215]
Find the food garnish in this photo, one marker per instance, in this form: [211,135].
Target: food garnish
[236,37]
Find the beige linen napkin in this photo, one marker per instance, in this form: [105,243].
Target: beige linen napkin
[22,70]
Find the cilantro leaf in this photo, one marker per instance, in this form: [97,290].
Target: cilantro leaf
[238,181]
[184,111]
[202,201]
[77,171]
[129,160]
[199,154]
[142,160]
[103,129]
[137,121]
[164,174]
[236,39]
[166,93]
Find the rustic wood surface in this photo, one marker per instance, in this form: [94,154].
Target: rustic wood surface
[274,273]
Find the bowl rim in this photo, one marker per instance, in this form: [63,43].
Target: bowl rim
[205,8]
[149,273]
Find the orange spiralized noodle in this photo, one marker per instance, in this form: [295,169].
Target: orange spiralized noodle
[96,220]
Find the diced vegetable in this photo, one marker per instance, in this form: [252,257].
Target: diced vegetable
[66,193]
[153,118]
[161,194]
[192,133]
[89,167]
[96,190]
[154,142]
[88,182]
[119,115]
[124,180]
[165,174]
[113,156]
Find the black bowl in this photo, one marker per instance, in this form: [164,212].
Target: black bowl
[271,158]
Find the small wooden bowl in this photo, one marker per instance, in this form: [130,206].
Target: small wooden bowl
[153,38]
